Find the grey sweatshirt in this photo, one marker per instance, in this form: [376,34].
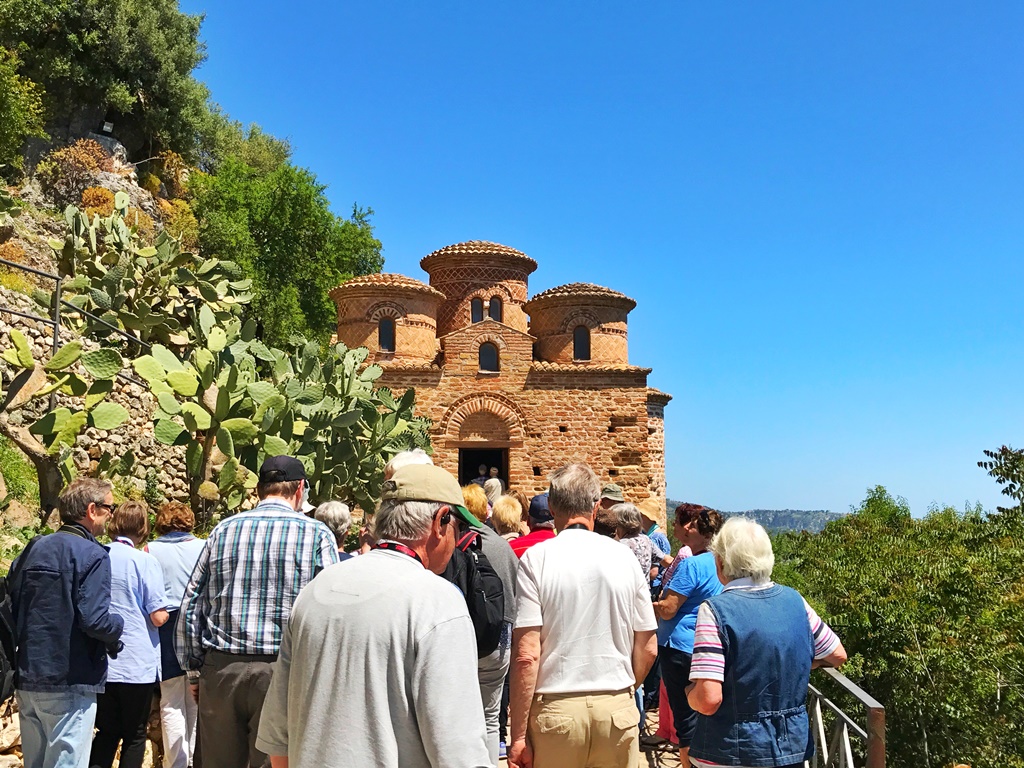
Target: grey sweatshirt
[377,668]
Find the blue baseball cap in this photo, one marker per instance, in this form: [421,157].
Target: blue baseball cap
[539,509]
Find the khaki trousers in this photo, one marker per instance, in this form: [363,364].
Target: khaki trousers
[585,730]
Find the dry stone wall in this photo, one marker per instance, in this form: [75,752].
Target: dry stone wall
[136,434]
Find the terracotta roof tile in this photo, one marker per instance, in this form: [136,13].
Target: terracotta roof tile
[408,365]
[658,396]
[485,248]
[541,365]
[385,280]
[583,291]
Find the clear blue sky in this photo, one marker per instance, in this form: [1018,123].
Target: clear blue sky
[819,209]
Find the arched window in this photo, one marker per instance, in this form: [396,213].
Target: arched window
[488,357]
[476,309]
[581,343]
[494,308]
[386,334]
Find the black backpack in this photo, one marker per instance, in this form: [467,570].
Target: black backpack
[471,571]
[8,642]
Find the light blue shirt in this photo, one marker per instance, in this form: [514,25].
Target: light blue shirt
[177,553]
[136,590]
[696,578]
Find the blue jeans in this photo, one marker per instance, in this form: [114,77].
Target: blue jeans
[56,728]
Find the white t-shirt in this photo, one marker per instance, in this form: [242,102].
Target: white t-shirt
[588,595]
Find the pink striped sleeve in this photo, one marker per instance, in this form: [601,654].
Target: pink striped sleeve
[708,656]
[825,640]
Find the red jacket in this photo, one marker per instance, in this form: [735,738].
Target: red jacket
[523,543]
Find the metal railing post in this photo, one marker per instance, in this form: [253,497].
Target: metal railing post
[876,737]
[56,332]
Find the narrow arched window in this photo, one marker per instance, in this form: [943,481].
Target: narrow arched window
[581,343]
[476,309]
[386,334]
[488,357]
[494,308]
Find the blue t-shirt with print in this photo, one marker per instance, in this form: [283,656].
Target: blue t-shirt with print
[697,580]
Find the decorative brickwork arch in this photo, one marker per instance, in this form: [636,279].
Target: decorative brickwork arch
[579,317]
[492,337]
[385,309]
[503,410]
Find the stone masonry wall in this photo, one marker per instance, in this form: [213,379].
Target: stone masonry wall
[545,419]
[136,434]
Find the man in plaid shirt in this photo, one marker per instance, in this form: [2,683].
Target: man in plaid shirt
[237,603]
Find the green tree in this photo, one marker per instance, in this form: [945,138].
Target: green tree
[279,227]
[224,138]
[932,612]
[134,57]
[21,110]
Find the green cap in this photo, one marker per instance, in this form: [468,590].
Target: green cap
[613,492]
[424,482]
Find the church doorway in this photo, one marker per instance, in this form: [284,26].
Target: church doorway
[470,460]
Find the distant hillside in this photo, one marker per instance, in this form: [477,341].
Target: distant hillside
[812,520]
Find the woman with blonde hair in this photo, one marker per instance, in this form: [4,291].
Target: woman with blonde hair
[524,504]
[506,518]
[177,551]
[137,596]
[476,501]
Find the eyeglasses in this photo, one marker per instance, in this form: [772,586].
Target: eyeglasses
[108,507]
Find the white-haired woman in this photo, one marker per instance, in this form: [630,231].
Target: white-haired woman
[629,530]
[336,516]
[754,649]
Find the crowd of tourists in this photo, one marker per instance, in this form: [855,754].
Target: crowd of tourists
[469,624]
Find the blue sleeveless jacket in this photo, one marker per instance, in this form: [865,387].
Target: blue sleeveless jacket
[768,648]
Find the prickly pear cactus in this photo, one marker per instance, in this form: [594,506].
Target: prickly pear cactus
[152,292]
[85,380]
[233,401]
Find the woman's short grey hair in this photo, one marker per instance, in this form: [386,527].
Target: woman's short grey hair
[627,517]
[336,516]
[75,500]
[745,550]
[404,520]
[493,490]
[574,490]
[406,459]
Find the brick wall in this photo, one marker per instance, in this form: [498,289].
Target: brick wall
[413,313]
[553,326]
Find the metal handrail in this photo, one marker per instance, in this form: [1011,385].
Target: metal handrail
[836,750]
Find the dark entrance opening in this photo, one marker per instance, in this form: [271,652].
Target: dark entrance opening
[470,460]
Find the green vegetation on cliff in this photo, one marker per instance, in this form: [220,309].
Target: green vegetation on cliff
[68,66]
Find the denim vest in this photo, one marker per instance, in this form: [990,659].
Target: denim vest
[768,648]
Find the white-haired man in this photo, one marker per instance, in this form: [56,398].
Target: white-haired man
[408,458]
[584,639]
[383,646]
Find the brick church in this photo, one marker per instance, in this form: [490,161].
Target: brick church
[523,384]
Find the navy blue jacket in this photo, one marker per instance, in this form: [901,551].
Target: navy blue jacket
[60,588]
